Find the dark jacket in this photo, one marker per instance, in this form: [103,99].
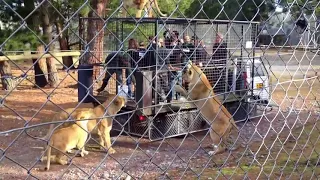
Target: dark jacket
[201,54]
[115,60]
[151,54]
[220,53]
[175,55]
[142,57]
[133,57]
[191,48]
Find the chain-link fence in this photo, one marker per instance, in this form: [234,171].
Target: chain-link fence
[215,90]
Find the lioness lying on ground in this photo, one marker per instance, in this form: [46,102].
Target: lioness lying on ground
[112,105]
[199,89]
[67,138]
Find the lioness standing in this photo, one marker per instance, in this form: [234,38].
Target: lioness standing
[201,92]
[111,107]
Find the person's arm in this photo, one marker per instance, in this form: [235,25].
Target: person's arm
[164,56]
[214,49]
[226,51]
[125,60]
[168,58]
[105,79]
[130,56]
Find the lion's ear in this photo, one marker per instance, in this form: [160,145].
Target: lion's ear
[118,101]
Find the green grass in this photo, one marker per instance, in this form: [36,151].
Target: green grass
[293,155]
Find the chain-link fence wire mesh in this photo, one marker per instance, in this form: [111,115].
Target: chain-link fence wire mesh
[260,57]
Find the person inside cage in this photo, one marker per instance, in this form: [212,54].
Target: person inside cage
[152,40]
[176,37]
[142,45]
[115,62]
[201,52]
[219,60]
[170,57]
[151,52]
[133,52]
[132,59]
[142,51]
[187,41]
[219,50]
[188,48]
[175,50]
[162,68]
[160,43]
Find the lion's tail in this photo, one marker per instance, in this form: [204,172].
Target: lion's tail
[234,135]
[47,136]
[156,3]
[48,156]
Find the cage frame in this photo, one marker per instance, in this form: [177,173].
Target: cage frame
[151,110]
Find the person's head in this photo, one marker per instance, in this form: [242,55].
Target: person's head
[167,38]
[175,37]
[152,39]
[133,44]
[170,38]
[160,42]
[186,39]
[219,37]
[141,44]
[202,43]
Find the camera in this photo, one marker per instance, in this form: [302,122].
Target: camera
[170,36]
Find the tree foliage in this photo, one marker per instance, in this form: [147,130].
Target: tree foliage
[296,7]
[12,13]
[243,10]
[22,40]
[14,33]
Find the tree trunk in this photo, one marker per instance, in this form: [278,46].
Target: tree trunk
[63,42]
[6,76]
[40,69]
[53,77]
[96,42]
[53,72]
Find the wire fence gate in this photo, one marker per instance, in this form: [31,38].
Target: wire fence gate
[120,73]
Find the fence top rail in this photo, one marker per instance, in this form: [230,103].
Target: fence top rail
[165,20]
[40,55]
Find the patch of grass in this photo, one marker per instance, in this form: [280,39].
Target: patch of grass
[292,154]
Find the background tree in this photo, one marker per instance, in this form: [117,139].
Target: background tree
[95,26]
[296,7]
[242,10]
[64,12]
[51,18]
[14,36]
[47,21]
[46,72]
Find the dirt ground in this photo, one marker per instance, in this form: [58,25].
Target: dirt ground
[282,143]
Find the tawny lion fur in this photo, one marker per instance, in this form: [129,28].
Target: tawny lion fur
[67,138]
[113,103]
[222,123]
[142,4]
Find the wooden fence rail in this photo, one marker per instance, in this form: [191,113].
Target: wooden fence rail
[39,55]
[56,58]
